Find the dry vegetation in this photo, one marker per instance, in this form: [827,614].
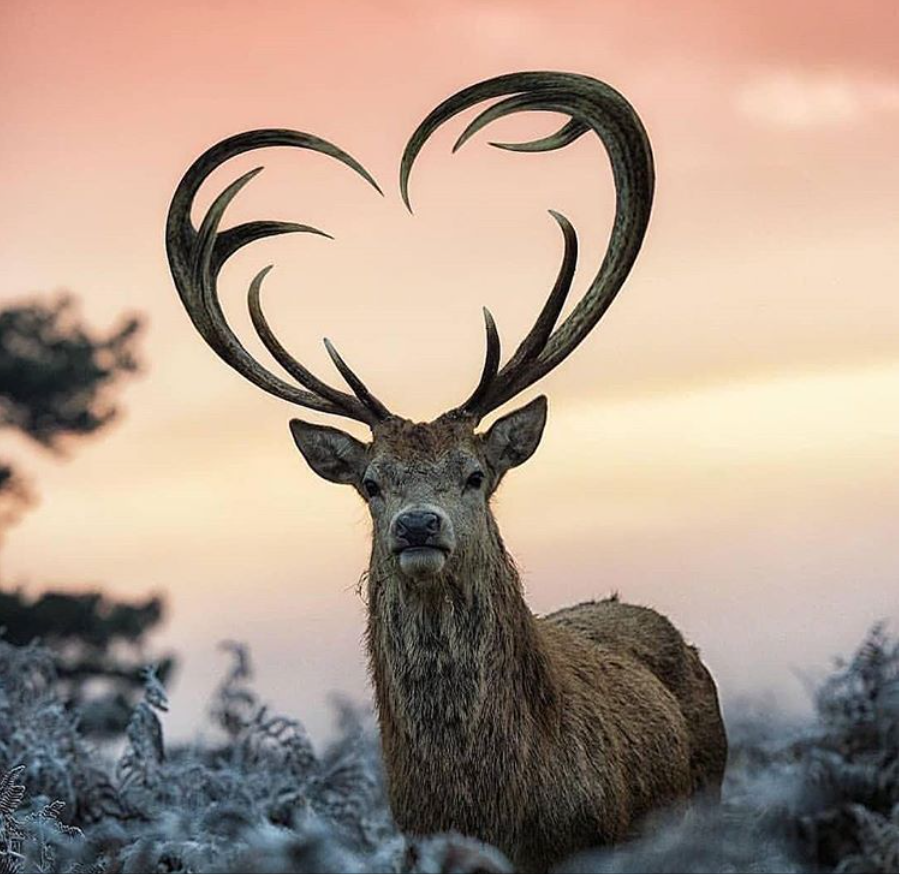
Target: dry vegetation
[815,798]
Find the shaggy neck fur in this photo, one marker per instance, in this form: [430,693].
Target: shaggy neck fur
[455,655]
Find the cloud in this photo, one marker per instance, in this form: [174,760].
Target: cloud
[805,99]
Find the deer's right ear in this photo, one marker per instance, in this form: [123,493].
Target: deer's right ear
[330,452]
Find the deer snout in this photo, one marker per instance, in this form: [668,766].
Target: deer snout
[417,528]
[422,538]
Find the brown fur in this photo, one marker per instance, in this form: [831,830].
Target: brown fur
[542,736]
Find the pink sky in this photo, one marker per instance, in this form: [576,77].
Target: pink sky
[723,447]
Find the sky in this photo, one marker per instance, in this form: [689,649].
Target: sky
[723,447]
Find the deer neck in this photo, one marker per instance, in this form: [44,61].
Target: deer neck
[458,657]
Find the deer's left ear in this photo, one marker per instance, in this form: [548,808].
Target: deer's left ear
[330,452]
[512,439]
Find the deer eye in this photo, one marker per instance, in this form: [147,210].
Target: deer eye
[475,480]
[373,490]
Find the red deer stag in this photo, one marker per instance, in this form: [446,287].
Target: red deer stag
[540,735]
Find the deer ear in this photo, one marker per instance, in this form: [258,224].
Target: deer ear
[330,452]
[512,439]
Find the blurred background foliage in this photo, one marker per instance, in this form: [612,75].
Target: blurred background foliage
[59,381]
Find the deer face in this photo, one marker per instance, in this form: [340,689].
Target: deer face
[427,485]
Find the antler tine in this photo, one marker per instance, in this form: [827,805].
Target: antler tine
[196,257]
[569,133]
[300,373]
[536,339]
[354,382]
[590,106]
[491,363]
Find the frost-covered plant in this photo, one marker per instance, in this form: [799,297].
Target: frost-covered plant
[819,797]
[38,732]
[12,834]
[849,801]
[34,838]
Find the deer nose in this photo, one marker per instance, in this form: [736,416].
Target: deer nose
[416,528]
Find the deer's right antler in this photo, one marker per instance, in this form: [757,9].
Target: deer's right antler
[196,257]
[591,105]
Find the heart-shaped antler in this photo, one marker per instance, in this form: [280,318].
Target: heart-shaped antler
[591,106]
[196,256]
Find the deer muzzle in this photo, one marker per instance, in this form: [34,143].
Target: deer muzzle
[422,539]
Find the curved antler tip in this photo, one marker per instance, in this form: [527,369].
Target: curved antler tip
[255,286]
[490,329]
[466,135]
[562,221]
[246,177]
[516,147]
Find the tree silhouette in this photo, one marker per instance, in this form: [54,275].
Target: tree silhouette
[53,371]
[57,382]
[56,378]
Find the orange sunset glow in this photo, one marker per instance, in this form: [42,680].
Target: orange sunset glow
[724,445]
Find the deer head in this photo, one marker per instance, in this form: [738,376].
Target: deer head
[427,485]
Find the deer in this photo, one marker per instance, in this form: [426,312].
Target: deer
[541,735]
